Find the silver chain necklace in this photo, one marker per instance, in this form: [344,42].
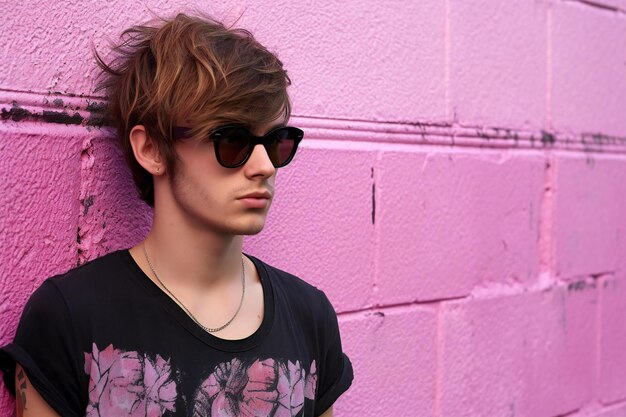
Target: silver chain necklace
[208,329]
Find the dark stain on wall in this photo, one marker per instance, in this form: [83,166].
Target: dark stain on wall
[96,120]
[509,134]
[86,203]
[64,93]
[580,285]
[97,110]
[96,117]
[373,198]
[600,139]
[576,286]
[97,106]
[547,138]
[61,117]
[15,113]
[499,133]
[482,134]
[79,250]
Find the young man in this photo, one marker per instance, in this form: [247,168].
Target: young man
[184,323]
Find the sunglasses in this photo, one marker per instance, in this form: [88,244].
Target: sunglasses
[234,144]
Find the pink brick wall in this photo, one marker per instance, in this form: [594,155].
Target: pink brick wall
[460,195]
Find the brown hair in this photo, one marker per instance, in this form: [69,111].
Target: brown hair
[192,71]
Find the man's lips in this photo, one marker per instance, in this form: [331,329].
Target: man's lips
[258,195]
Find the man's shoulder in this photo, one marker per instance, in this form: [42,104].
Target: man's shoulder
[287,279]
[78,289]
[91,274]
[297,291]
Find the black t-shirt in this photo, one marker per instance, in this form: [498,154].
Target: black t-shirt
[104,340]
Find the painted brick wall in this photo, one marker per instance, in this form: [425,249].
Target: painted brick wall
[460,195]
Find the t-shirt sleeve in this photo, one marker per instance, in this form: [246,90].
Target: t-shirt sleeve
[335,371]
[46,348]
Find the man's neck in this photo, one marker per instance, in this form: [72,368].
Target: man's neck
[192,256]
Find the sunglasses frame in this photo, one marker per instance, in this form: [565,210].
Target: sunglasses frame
[215,136]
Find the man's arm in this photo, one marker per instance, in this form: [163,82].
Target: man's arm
[328,413]
[28,402]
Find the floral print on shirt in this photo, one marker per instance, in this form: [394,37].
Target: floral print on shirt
[128,383]
[133,384]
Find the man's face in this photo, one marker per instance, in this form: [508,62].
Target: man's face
[209,195]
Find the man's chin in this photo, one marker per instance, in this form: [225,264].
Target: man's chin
[252,231]
[252,228]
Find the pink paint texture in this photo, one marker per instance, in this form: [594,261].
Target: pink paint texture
[590,215]
[498,62]
[459,194]
[586,98]
[451,221]
[513,354]
[613,347]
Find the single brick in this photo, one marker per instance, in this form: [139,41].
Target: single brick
[368,60]
[394,360]
[613,337]
[498,62]
[530,354]
[588,97]
[452,220]
[589,221]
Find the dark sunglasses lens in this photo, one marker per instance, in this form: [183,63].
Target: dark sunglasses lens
[281,145]
[233,145]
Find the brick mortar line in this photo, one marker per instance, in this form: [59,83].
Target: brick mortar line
[79,111]
[596,406]
[549,74]
[597,6]
[546,210]
[439,358]
[612,404]
[482,293]
[449,112]
[599,338]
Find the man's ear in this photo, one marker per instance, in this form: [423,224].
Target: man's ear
[145,151]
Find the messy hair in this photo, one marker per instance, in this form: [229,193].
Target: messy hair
[190,71]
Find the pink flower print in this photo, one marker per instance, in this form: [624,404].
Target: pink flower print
[262,388]
[290,389]
[159,390]
[310,382]
[127,383]
[98,365]
[220,394]
[260,394]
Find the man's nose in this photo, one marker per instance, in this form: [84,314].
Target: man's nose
[260,162]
